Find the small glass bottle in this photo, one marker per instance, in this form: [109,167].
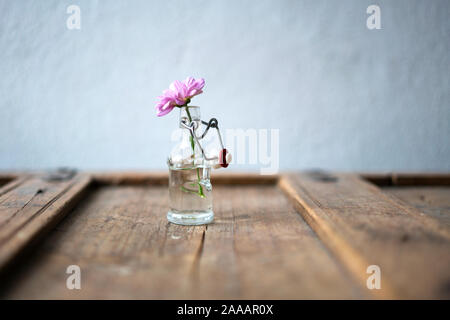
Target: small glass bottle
[190,190]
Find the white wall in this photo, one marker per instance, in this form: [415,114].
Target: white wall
[343,96]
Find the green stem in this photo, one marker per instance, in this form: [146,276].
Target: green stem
[200,188]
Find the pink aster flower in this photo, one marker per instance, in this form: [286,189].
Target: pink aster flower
[193,86]
[179,94]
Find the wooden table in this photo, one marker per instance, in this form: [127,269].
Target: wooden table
[293,236]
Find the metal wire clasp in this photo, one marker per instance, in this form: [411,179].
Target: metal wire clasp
[213,123]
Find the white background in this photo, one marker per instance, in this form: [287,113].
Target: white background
[344,97]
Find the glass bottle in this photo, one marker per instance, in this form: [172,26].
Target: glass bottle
[190,190]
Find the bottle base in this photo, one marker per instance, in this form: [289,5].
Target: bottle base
[191,218]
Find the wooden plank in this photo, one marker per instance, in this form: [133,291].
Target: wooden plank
[12,184]
[130,178]
[434,200]
[120,238]
[7,177]
[161,178]
[29,207]
[362,227]
[407,179]
[258,247]
[424,179]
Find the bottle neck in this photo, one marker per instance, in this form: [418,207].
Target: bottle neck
[189,114]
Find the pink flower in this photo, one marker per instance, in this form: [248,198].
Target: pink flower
[179,94]
[193,86]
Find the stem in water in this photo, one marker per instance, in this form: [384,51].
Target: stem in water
[200,188]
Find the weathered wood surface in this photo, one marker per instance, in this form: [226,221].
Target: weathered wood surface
[10,184]
[30,206]
[258,247]
[363,226]
[434,201]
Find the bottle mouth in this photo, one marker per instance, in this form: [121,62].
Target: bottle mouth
[189,114]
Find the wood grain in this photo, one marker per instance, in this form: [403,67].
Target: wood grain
[362,226]
[258,247]
[434,200]
[31,206]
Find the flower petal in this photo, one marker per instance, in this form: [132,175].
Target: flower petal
[163,109]
[178,93]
